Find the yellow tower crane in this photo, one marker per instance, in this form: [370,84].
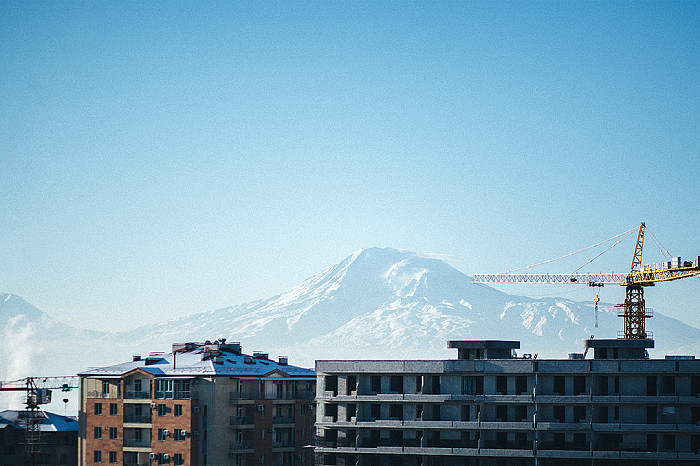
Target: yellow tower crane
[633,309]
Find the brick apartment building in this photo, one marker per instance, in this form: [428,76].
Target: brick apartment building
[202,404]
[488,407]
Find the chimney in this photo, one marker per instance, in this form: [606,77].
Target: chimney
[283,360]
[136,357]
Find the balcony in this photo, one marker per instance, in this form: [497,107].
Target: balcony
[235,396]
[282,420]
[99,394]
[138,395]
[137,419]
[137,443]
[174,395]
[242,445]
[283,444]
[240,420]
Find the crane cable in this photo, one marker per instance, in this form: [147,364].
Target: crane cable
[571,254]
[660,246]
[618,242]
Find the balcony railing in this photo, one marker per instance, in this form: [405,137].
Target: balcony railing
[282,420]
[137,443]
[250,395]
[283,444]
[99,394]
[142,419]
[138,395]
[242,445]
[175,395]
[238,420]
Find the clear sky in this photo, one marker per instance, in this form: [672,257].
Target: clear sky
[164,158]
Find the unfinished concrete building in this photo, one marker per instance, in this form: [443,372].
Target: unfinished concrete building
[488,407]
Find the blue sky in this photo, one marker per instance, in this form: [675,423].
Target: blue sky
[163,158]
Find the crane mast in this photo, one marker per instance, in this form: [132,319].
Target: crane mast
[633,310]
[38,391]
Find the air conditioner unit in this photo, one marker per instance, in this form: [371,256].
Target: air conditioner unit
[166,457]
[195,409]
[183,432]
[261,408]
[152,456]
[166,432]
[272,429]
[154,405]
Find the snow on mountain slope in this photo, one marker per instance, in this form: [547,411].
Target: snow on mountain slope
[386,303]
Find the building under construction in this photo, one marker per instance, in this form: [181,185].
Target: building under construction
[611,405]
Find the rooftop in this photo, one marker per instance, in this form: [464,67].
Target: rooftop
[204,359]
[51,422]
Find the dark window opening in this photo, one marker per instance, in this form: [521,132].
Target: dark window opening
[396,384]
[559,385]
[579,385]
[501,413]
[501,385]
[376,384]
[520,384]
[559,413]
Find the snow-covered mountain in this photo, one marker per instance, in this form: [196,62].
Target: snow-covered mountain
[377,303]
[386,303]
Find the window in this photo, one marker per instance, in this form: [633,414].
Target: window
[501,413]
[559,385]
[520,384]
[162,410]
[559,413]
[178,435]
[161,434]
[112,456]
[113,409]
[137,386]
[396,411]
[161,458]
[178,410]
[177,459]
[105,389]
[579,384]
[472,385]
[669,384]
[164,388]
[579,413]
[98,408]
[351,412]
[97,456]
[98,432]
[501,385]
[351,385]
[112,432]
[138,435]
[396,384]
[376,384]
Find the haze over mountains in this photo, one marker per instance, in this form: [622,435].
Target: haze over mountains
[376,303]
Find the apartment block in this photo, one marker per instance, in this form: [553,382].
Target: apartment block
[610,405]
[202,404]
[57,442]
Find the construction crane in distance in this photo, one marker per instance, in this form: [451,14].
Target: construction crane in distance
[38,392]
[633,310]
